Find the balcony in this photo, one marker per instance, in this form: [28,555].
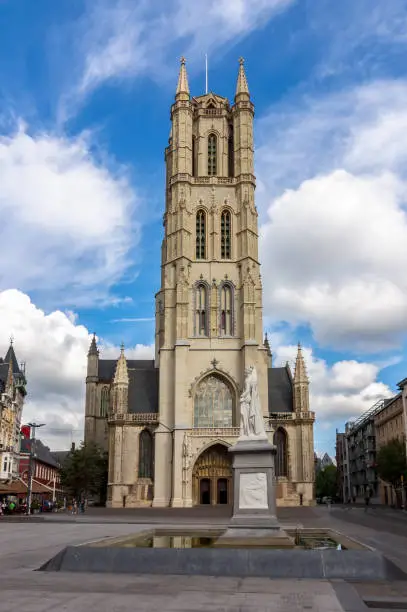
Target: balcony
[133,418]
[217,432]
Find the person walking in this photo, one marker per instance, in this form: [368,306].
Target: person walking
[367,497]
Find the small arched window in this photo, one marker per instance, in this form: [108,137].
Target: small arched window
[104,402]
[225,235]
[280,441]
[145,466]
[212,155]
[201,310]
[226,310]
[201,234]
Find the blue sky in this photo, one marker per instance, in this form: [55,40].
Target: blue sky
[85,92]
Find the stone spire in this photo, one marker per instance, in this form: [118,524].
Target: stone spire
[93,349]
[242,86]
[121,385]
[301,384]
[267,344]
[182,92]
[121,375]
[300,374]
[10,379]
[268,349]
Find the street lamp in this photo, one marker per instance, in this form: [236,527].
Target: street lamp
[33,427]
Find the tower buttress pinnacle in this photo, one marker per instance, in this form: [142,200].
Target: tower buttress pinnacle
[300,373]
[182,91]
[93,349]
[121,376]
[242,87]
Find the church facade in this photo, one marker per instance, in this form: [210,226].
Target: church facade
[168,423]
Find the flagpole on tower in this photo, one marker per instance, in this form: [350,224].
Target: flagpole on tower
[206,73]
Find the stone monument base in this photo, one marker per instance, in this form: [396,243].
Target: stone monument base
[254,521]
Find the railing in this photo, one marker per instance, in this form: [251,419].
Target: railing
[290,416]
[214,112]
[222,432]
[131,417]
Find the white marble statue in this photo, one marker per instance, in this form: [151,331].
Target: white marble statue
[251,417]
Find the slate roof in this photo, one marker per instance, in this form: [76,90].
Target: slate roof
[280,390]
[143,382]
[43,453]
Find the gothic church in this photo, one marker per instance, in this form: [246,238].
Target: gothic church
[168,423]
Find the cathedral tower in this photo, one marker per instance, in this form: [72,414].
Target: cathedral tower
[209,307]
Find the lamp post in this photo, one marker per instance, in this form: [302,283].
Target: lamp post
[33,427]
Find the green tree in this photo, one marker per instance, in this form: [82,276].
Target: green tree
[84,472]
[391,462]
[326,482]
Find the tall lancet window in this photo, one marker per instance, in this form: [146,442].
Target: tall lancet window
[225,237]
[226,310]
[104,402]
[201,310]
[201,234]
[145,466]
[281,463]
[212,155]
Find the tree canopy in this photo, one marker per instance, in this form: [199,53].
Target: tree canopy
[326,482]
[391,462]
[84,472]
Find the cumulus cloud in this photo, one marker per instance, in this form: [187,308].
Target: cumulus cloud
[336,239]
[67,218]
[341,391]
[54,348]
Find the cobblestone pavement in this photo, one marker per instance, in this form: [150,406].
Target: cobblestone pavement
[25,545]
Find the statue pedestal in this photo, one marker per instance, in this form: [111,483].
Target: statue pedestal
[254,521]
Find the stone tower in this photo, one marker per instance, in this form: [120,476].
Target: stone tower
[209,306]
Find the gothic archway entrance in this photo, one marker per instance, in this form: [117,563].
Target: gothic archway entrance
[212,477]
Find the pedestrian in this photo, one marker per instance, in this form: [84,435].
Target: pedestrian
[367,498]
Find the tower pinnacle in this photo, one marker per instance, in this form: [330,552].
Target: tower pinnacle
[242,86]
[300,374]
[182,92]
[121,376]
[93,349]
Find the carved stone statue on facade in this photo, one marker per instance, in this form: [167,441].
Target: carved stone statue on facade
[251,417]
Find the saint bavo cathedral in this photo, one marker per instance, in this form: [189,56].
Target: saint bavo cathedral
[168,423]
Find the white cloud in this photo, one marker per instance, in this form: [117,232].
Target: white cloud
[67,218]
[341,391]
[54,348]
[120,38]
[337,240]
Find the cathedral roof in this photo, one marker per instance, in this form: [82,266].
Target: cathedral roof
[280,390]
[143,382]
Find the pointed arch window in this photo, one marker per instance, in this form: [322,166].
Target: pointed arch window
[213,403]
[212,154]
[280,441]
[145,466]
[201,234]
[201,310]
[225,235]
[226,310]
[104,402]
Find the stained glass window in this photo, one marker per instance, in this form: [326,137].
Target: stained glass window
[213,403]
[104,402]
[201,234]
[212,155]
[225,238]
[145,468]
[280,440]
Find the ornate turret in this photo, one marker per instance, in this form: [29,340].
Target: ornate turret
[301,383]
[121,385]
[182,92]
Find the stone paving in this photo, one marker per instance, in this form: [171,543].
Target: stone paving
[24,546]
